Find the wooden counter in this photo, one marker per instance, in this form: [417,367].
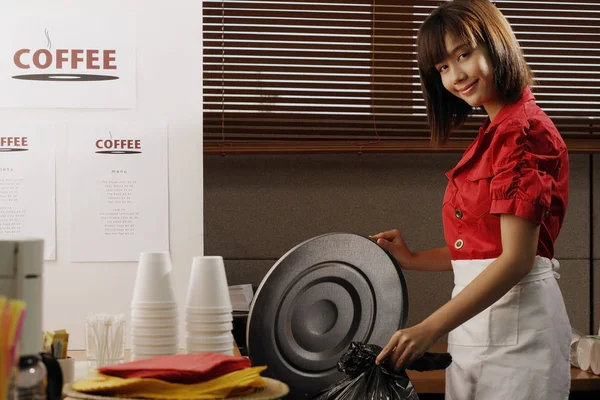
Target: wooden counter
[435,381]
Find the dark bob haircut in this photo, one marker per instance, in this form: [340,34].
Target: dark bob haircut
[474,22]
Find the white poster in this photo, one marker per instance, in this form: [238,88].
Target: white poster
[53,58]
[27,183]
[119,203]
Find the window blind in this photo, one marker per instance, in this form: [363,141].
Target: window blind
[341,75]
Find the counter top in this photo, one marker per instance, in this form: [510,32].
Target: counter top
[435,381]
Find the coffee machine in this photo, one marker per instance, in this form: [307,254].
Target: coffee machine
[21,265]
[21,271]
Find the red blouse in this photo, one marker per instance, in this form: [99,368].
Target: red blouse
[518,164]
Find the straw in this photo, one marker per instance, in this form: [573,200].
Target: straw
[17,311]
[12,315]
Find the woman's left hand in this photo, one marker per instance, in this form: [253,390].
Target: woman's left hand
[406,346]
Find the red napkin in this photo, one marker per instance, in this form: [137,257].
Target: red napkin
[180,368]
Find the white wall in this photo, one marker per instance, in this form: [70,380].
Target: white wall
[169,88]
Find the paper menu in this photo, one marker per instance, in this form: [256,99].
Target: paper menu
[28,183]
[118,191]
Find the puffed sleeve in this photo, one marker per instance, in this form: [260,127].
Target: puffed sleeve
[521,185]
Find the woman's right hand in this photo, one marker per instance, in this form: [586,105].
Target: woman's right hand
[393,242]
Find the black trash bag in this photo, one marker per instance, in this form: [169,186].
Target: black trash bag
[367,381]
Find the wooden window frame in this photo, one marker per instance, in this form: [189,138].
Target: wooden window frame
[288,126]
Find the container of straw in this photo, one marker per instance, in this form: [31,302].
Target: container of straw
[105,339]
[12,315]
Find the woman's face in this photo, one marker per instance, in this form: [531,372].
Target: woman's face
[468,74]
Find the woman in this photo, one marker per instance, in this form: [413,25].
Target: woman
[503,208]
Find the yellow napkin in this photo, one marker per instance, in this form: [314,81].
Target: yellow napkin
[233,384]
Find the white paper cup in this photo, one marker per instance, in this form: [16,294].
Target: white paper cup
[169,305]
[595,358]
[209,310]
[137,357]
[584,352]
[154,332]
[220,350]
[188,311]
[153,279]
[209,327]
[208,284]
[153,322]
[200,350]
[147,350]
[190,348]
[210,339]
[574,360]
[209,346]
[67,367]
[210,319]
[147,313]
[154,341]
[227,353]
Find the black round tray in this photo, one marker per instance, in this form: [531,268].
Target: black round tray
[321,295]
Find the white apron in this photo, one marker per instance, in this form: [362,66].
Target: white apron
[519,347]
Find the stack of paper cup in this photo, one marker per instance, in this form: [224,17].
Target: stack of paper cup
[153,308]
[595,358]
[588,353]
[574,355]
[208,311]
[575,338]
[591,349]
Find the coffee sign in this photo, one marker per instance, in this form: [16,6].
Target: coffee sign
[12,143]
[43,59]
[68,61]
[119,146]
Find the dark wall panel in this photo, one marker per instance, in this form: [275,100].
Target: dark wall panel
[258,207]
